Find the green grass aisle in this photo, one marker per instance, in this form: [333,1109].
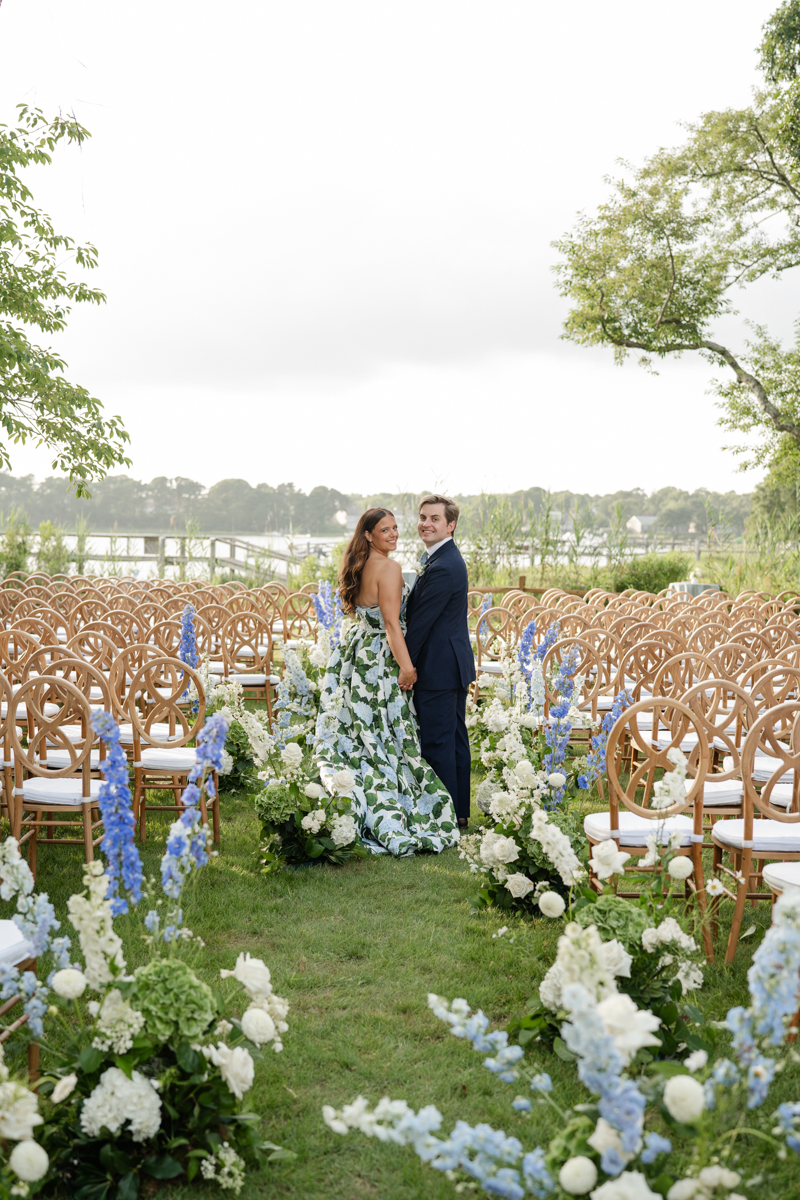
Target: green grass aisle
[355,951]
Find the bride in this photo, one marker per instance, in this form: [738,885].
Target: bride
[367,723]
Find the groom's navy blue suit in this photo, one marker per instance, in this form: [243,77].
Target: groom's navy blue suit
[437,637]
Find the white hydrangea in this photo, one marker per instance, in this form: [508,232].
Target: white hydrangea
[496,717]
[93,920]
[118,1100]
[343,830]
[117,1024]
[314,821]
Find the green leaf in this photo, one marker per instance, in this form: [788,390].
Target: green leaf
[125,1063]
[192,1167]
[188,1059]
[162,1166]
[694,1014]
[279,1154]
[90,1059]
[668,1069]
[561,1049]
[128,1186]
[114,1160]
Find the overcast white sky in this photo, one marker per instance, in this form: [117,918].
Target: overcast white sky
[324,231]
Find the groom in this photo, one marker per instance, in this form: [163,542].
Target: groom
[437,638]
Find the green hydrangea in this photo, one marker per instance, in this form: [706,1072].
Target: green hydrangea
[616,918]
[276,804]
[175,1004]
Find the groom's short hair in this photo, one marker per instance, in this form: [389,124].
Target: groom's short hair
[451,510]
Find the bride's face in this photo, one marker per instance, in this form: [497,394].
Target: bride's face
[384,535]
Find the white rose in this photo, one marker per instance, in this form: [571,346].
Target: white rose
[519,885]
[317,656]
[291,755]
[29,1161]
[616,959]
[631,1027]
[253,975]
[714,1177]
[64,1088]
[258,1026]
[235,1066]
[18,1115]
[685,1189]
[696,1060]
[556,779]
[552,905]
[578,1175]
[607,859]
[681,868]
[69,983]
[343,783]
[684,1099]
[630,1185]
[505,850]
[313,791]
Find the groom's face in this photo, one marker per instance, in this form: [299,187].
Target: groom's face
[433,526]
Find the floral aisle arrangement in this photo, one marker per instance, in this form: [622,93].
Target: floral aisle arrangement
[146,1070]
[707,1110]
[246,742]
[535,844]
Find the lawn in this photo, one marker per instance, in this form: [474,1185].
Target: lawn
[356,950]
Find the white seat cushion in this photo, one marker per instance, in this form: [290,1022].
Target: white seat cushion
[726,791]
[763,767]
[50,710]
[58,759]
[247,651]
[159,730]
[254,680]
[216,668]
[489,668]
[771,837]
[635,830]
[57,791]
[782,877]
[14,947]
[781,795]
[686,745]
[178,761]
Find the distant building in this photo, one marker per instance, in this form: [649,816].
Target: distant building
[640,524]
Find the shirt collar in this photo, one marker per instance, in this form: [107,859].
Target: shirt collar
[438,547]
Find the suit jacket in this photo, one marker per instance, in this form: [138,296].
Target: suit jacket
[437,634]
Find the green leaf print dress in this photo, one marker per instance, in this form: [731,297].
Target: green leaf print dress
[367,726]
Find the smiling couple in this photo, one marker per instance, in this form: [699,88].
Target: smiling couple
[408,750]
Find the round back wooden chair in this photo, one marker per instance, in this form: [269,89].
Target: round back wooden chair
[299,618]
[496,631]
[732,659]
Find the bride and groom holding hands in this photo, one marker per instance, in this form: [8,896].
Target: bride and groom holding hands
[394,692]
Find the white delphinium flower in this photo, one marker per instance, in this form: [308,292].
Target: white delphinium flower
[15,874]
[235,1066]
[64,1088]
[29,1161]
[312,822]
[69,983]
[117,1100]
[631,1027]
[580,958]
[496,717]
[18,1111]
[94,922]
[519,885]
[680,868]
[557,847]
[343,830]
[487,681]
[551,904]
[578,1175]
[696,1061]
[319,653]
[226,762]
[607,859]
[653,852]
[684,1099]
[672,788]
[505,807]
[469,851]
[117,1024]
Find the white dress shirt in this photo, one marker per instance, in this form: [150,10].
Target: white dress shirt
[438,546]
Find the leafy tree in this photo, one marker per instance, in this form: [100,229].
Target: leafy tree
[37,403]
[656,268]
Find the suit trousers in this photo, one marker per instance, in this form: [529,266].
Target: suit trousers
[444,740]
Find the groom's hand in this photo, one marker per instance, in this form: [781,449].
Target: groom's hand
[407,679]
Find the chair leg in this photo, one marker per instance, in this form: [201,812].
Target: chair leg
[33,1061]
[741,899]
[701,900]
[33,845]
[88,841]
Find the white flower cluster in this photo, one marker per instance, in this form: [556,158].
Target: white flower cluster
[116,1023]
[707,1184]
[557,847]
[315,820]
[583,957]
[320,651]
[496,851]
[680,947]
[15,874]
[235,1066]
[343,830]
[117,1100]
[93,920]
[672,788]
[18,1108]
[495,717]
[292,761]
[607,859]
[253,974]
[226,1168]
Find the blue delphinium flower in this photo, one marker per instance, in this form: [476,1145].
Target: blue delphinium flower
[329,610]
[35,918]
[538,1179]
[760,1074]
[31,991]
[788,1118]
[655,1144]
[596,759]
[187,650]
[772,980]
[559,729]
[116,809]
[550,638]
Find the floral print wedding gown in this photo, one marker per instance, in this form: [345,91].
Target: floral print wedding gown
[366,726]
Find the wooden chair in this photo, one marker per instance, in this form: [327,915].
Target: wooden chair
[299,619]
[631,819]
[156,698]
[246,641]
[53,707]
[496,631]
[775,835]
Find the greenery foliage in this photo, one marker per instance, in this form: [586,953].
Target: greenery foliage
[15,546]
[651,572]
[52,555]
[38,403]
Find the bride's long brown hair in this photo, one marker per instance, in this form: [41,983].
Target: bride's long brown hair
[355,557]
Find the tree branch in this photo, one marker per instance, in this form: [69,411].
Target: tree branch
[758,390]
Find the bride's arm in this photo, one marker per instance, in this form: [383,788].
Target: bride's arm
[390,595]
